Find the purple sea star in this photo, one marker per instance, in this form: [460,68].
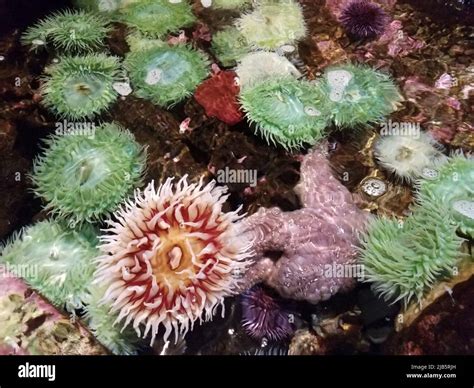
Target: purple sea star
[313,239]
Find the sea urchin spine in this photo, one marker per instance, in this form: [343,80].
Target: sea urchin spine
[172,257]
[263,317]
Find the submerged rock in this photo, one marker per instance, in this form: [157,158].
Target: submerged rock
[30,325]
[445,326]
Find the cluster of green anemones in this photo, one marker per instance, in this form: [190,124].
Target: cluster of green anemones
[404,260]
[69,32]
[85,178]
[56,261]
[81,86]
[166,74]
[291,112]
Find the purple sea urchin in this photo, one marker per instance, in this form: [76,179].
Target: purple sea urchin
[81,86]
[263,317]
[55,261]
[69,32]
[171,257]
[85,178]
[364,20]
[166,74]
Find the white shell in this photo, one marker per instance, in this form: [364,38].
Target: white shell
[38,42]
[287,48]
[153,76]
[374,187]
[338,81]
[312,111]
[429,173]
[122,88]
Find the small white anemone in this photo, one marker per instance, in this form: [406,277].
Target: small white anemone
[407,156]
[259,66]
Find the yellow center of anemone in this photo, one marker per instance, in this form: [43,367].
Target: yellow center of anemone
[83,89]
[172,262]
[404,154]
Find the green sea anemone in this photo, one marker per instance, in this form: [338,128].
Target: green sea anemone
[69,32]
[102,324]
[56,261]
[229,45]
[138,42]
[451,186]
[156,18]
[166,75]
[359,95]
[286,111]
[230,4]
[405,260]
[104,6]
[85,178]
[273,24]
[81,86]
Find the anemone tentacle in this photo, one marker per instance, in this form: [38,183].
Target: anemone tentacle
[359,95]
[286,111]
[83,179]
[81,86]
[166,75]
[69,31]
[156,18]
[56,261]
[171,257]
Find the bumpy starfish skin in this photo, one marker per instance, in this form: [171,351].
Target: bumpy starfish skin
[312,239]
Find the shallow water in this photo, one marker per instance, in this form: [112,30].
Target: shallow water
[422,44]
